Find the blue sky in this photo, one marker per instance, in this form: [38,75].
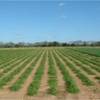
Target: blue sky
[58,20]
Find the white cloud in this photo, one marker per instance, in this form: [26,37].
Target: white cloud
[61,4]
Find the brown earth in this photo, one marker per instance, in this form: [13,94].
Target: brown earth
[84,94]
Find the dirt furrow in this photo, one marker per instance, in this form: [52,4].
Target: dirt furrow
[61,83]
[23,91]
[97,85]
[44,81]
[18,75]
[85,93]
[6,94]
[13,67]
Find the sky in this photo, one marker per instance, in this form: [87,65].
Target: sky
[48,20]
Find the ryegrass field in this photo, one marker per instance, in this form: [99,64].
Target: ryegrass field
[64,73]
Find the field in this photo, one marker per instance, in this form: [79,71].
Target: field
[50,73]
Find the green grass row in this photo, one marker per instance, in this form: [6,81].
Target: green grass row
[87,58]
[79,64]
[21,80]
[70,83]
[34,86]
[7,63]
[4,80]
[9,68]
[85,80]
[6,56]
[90,51]
[52,81]
[83,60]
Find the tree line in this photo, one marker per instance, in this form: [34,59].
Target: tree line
[49,44]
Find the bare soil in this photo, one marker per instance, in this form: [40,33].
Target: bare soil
[84,94]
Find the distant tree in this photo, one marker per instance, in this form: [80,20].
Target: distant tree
[9,45]
[97,43]
[1,44]
[20,44]
[72,44]
[84,44]
[55,43]
[48,44]
[64,44]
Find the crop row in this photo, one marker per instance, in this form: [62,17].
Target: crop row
[19,83]
[11,75]
[34,86]
[83,60]
[81,65]
[52,75]
[69,81]
[78,72]
[87,57]
[8,68]
[89,51]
